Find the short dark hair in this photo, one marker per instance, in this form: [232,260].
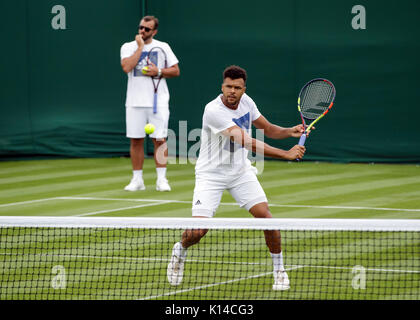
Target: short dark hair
[152,18]
[234,72]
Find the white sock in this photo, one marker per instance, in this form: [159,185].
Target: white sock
[277,261]
[181,251]
[138,174]
[161,173]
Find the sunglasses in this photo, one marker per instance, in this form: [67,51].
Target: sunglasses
[145,28]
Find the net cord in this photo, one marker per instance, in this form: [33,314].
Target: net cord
[216,223]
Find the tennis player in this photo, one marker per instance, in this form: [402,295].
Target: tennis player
[223,165]
[139,101]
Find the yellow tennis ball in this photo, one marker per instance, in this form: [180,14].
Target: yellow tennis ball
[144,70]
[149,128]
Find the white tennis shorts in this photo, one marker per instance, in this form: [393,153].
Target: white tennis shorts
[138,117]
[244,188]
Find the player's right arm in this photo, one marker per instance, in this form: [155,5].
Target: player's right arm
[130,63]
[241,137]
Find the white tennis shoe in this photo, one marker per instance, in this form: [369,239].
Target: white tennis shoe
[162,185]
[135,184]
[175,269]
[281,281]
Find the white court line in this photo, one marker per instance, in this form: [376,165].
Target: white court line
[155,203]
[162,201]
[212,285]
[117,209]
[123,199]
[367,269]
[235,204]
[26,202]
[342,207]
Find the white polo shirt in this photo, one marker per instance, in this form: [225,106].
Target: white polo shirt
[218,154]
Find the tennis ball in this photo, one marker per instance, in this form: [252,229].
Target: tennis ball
[144,70]
[149,128]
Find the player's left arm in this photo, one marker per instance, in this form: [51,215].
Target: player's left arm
[276,132]
[240,136]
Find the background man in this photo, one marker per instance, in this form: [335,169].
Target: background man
[139,101]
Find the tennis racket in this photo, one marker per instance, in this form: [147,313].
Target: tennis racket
[158,57]
[315,99]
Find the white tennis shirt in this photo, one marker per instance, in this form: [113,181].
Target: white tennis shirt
[140,88]
[218,154]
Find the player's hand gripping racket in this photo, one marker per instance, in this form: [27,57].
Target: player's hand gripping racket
[158,57]
[315,100]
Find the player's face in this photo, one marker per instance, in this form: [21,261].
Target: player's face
[233,91]
[147,30]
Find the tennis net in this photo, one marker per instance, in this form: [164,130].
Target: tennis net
[127,258]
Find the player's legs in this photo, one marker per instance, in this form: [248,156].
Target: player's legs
[272,237]
[160,152]
[273,241]
[137,153]
[161,156]
[248,192]
[207,195]
[175,270]
[136,119]
[137,159]
[192,236]
[160,121]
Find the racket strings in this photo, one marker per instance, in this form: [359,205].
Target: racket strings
[316,98]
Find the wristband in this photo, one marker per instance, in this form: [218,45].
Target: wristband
[159,72]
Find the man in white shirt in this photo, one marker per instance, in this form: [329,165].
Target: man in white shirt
[223,165]
[139,101]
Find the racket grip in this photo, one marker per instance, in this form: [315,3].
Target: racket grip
[155,103]
[302,139]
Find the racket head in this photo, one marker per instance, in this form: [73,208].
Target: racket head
[315,99]
[157,56]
